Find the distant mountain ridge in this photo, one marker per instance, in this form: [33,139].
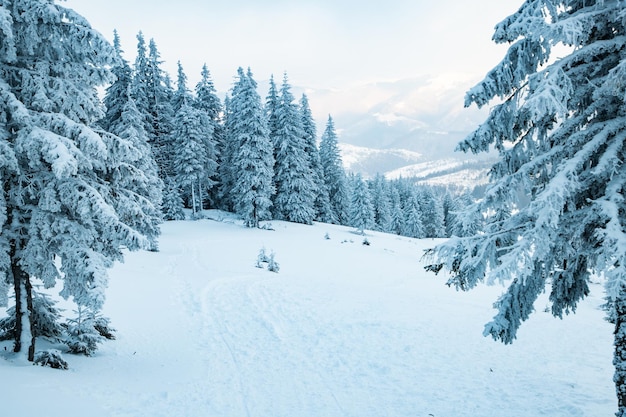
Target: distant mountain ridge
[407,128]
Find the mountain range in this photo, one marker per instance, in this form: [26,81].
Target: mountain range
[407,127]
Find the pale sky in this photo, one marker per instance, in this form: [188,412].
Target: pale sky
[319,43]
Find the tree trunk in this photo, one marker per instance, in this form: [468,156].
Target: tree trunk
[23,310]
[619,360]
[193,200]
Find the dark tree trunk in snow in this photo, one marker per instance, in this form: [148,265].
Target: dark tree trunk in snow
[619,360]
[23,310]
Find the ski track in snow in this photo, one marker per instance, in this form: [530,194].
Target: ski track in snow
[343,330]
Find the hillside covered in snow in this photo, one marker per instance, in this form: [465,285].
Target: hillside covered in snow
[342,329]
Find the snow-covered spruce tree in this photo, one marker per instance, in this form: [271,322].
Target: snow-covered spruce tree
[295,189]
[361,209]
[117,93]
[135,175]
[432,213]
[381,204]
[172,202]
[253,159]
[334,174]
[560,131]
[153,97]
[271,112]
[58,214]
[397,212]
[207,101]
[189,159]
[193,151]
[322,208]
[413,225]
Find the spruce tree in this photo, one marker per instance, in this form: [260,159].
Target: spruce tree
[323,212]
[56,202]
[252,157]
[413,226]
[560,130]
[397,211]
[334,174]
[206,101]
[381,204]
[295,188]
[361,209]
[191,131]
[432,213]
[117,93]
[172,202]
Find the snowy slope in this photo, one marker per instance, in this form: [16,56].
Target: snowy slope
[343,329]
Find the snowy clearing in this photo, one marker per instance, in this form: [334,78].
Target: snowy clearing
[343,329]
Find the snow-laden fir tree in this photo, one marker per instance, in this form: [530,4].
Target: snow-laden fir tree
[189,160]
[397,211]
[323,212]
[117,93]
[560,130]
[361,209]
[193,151]
[381,203]
[295,188]
[172,202]
[153,97]
[206,100]
[135,174]
[58,214]
[432,213]
[413,226]
[182,95]
[271,112]
[252,157]
[334,174]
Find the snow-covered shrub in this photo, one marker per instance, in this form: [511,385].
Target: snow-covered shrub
[327,236]
[272,265]
[270,260]
[261,258]
[82,336]
[51,358]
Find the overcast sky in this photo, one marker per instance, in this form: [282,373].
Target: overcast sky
[320,43]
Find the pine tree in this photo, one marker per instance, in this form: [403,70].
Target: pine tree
[182,95]
[153,98]
[117,93]
[323,211]
[56,202]
[135,174]
[172,202]
[271,113]
[381,204]
[397,212]
[295,189]
[432,214]
[560,131]
[361,210]
[334,174]
[413,225]
[207,101]
[191,130]
[252,157]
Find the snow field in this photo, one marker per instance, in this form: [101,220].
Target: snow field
[343,329]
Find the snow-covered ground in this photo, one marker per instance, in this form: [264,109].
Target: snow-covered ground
[343,329]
